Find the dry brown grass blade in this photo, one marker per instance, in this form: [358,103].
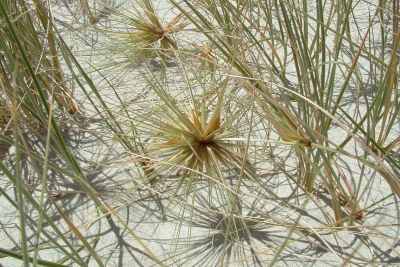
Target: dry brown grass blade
[88,11]
[148,8]
[77,233]
[63,99]
[393,183]
[389,148]
[353,205]
[281,118]
[196,121]
[214,124]
[175,26]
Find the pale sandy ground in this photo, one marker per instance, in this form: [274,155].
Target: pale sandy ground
[190,239]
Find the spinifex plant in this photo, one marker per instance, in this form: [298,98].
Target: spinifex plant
[145,35]
[197,142]
[269,144]
[193,138]
[34,89]
[287,52]
[29,47]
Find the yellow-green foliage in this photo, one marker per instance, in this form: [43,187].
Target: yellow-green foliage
[146,32]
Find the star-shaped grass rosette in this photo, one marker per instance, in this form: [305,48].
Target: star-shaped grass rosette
[195,143]
[146,36]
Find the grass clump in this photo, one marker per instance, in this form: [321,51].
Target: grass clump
[145,35]
[271,139]
[292,55]
[195,135]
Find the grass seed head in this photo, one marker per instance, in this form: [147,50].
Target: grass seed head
[198,139]
[148,33]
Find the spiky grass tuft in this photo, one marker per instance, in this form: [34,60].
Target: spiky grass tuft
[146,36]
[197,139]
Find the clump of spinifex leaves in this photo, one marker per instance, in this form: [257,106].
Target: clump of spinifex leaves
[275,58]
[195,138]
[275,143]
[145,35]
[23,48]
